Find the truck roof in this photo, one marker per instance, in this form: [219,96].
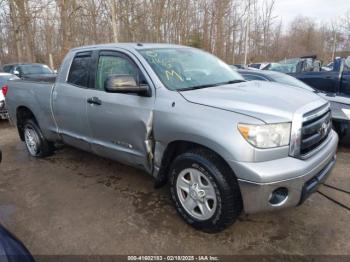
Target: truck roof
[129,46]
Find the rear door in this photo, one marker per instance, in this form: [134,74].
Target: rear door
[121,124]
[69,102]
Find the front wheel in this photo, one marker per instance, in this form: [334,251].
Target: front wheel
[35,142]
[205,190]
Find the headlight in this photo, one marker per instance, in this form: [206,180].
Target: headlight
[266,136]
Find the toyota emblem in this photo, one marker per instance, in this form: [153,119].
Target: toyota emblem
[323,129]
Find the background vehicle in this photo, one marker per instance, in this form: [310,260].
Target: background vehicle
[272,76]
[239,66]
[258,65]
[4,77]
[335,81]
[184,116]
[339,123]
[29,71]
[296,65]
[334,85]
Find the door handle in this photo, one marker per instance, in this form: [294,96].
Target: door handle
[94,101]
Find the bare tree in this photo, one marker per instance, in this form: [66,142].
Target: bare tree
[113,16]
[239,31]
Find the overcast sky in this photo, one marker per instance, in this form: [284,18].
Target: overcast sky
[322,10]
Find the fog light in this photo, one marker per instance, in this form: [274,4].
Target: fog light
[278,196]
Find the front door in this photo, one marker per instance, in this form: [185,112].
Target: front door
[121,124]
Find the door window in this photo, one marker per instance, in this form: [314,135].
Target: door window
[115,65]
[79,73]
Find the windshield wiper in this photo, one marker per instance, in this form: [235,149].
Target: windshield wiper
[212,85]
[235,81]
[195,87]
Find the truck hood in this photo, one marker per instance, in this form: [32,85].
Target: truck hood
[268,101]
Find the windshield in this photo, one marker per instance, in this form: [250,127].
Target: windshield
[35,69]
[289,80]
[188,68]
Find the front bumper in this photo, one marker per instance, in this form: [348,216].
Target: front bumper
[299,177]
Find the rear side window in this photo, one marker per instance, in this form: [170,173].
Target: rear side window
[7,68]
[79,73]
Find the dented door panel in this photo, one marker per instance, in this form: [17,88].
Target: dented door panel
[121,128]
[121,124]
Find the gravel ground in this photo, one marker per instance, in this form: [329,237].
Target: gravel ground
[76,203]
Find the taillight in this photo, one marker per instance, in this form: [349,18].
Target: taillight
[4,90]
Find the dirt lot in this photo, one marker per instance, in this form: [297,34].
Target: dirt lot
[78,203]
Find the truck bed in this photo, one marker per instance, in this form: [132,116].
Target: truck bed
[34,95]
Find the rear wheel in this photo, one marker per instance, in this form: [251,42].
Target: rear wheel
[35,142]
[205,190]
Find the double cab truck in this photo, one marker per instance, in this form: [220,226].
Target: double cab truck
[224,145]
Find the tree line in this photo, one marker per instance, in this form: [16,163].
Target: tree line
[237,31]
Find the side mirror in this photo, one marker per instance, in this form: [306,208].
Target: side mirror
[125,84]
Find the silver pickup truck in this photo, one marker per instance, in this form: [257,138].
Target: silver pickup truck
[224,145]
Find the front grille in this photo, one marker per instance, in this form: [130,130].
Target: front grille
[315,129]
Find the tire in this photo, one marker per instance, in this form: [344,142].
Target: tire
[212,214]
[35,142]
